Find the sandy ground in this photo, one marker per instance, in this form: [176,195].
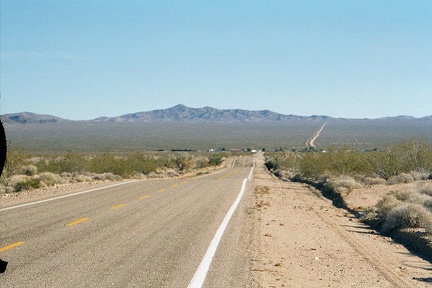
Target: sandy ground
[302,240]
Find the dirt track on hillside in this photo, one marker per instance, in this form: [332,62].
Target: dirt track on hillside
[302,240]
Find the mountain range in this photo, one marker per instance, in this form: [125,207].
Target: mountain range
[184,114]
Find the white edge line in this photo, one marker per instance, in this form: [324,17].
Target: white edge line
[201,272]
[65,196]
[251,172]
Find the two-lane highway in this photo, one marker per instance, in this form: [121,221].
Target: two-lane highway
[151,233]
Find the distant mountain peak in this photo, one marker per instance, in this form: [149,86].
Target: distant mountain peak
[182,113]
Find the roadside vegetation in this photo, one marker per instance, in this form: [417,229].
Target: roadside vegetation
[337,172]
[24,171]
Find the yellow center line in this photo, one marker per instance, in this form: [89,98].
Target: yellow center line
[174,185]
[161,190]
[232,173]
[11,246]
[184,182]
[117,206]
[76,222]
[144,197]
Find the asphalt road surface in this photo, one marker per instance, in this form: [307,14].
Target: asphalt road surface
[150,233]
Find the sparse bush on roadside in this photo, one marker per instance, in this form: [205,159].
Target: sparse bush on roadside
[408,215]
[14,179]
[154,175]
[215,160]
[29,170]
[32,183]
[81,178]
[342,185]
[184,161]
[401,178]
[370,181]
[407,156]
[402,209]
[107,176]
[50,178]
[420,175]
[201,163]
[170,173]
[312,165]
[14,161]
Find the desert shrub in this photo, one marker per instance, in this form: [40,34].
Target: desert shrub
[171,173]
[14,179]
[81,178]
[184,161]
[271,164]
[426,189]
[346,162]
[402,209]
[69,163]
[201,163]
[140,163]
[15,159]
[29,184]
[408,215]
[153,175]
[215,160]
[428,205]
[284,161]
[402,195]
[29,170]
[419,198]
[399,179]
[107,176]
[385,205]
[312,165]
[419,175]
[50,178]
[370,181]
[342,185]
[413,155]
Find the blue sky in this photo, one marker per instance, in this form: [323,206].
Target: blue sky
[83,59]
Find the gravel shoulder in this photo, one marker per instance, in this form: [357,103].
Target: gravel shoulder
[302,240]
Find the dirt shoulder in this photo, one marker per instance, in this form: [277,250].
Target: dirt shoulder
[302,240]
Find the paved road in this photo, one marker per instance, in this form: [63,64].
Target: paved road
[150,233]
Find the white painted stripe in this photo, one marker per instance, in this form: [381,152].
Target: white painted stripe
[234,161]
[65,196]
[201,272]
[251,172]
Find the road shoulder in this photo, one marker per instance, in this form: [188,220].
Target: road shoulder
[302,240]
